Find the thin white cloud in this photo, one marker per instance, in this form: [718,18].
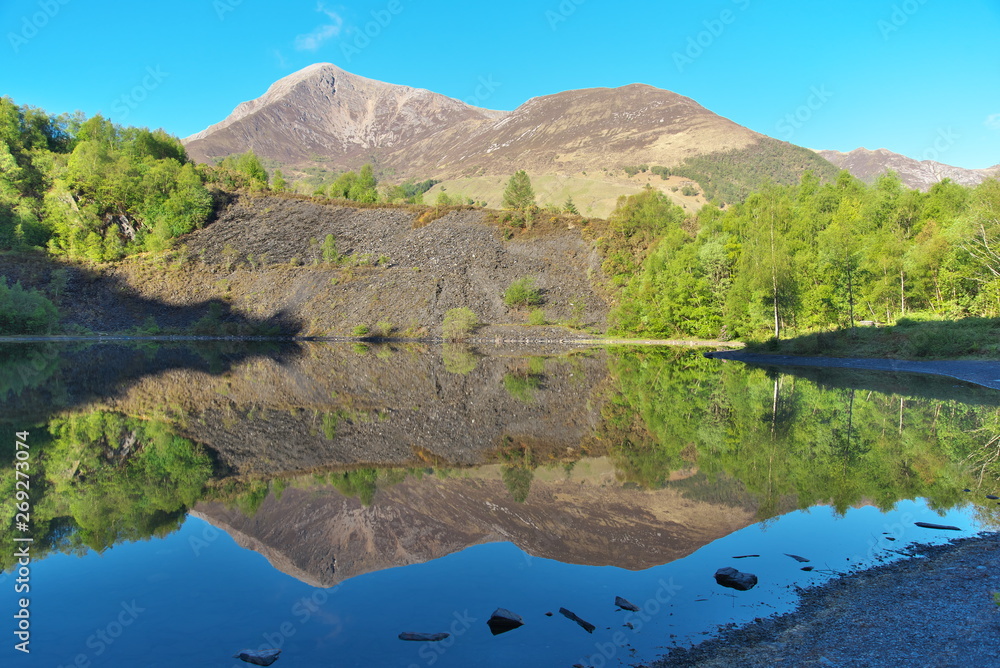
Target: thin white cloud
[315,39]
[280,57]
[993,121]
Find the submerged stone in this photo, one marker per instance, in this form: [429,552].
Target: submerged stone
[568,614]
[734,579]
[625,604]
[931,525]
[258,657]
[503,620]
[423,637]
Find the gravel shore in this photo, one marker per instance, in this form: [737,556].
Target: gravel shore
[934,608]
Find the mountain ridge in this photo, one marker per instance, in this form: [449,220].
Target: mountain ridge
[867,165]
[323,117]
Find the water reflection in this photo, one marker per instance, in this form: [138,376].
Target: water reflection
[572,455]
[337,463]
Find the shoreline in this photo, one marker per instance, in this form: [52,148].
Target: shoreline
[932,608]
[582,340]
[979,372]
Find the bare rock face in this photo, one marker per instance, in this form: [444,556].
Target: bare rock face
[324,111]
[921,174]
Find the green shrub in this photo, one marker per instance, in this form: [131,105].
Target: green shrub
[25,311]
[517,480]
[522,388]
[459,323]
[522,292]
[537,317]
[360,330]
[383,328]
[329,249]
[458,359]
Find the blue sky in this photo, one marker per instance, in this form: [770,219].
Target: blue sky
[919,77]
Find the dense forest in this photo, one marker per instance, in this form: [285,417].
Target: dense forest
[806,257]
[90,189]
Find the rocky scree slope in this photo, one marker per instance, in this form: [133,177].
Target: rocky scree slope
[263,255]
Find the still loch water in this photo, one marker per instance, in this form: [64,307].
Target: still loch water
[191,501]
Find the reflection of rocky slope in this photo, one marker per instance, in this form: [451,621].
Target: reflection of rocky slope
[321,537]
[333,407]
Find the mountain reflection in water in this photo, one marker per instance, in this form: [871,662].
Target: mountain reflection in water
[334,461]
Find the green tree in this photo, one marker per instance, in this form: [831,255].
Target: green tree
[518,195]
[278,182]
[250,166]
[765,263]
[25,311]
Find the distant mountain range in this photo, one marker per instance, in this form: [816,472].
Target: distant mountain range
[581,141]
[921,174]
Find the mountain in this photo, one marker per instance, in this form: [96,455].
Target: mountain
[921,174]
[325,118]
[323,111]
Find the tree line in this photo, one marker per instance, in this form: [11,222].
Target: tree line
[805,257]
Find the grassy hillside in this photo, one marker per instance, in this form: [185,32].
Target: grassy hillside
[594,194]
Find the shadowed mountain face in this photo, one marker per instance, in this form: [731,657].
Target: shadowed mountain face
[324,113]
[920,174]
[583,517]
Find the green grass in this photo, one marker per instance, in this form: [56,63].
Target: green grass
[913,339]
